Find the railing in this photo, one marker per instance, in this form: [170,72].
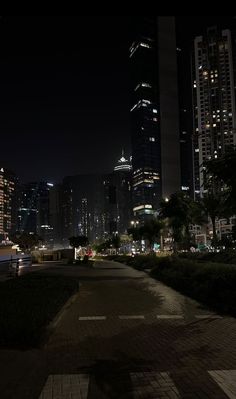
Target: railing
[12,265]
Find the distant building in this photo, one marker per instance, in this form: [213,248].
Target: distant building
[84,227]
[28,208]
[185,119]
[118,198]
[214,100]
[154,114]
[44,225]
[56,212]
[123,183]
[82,206]
[8,202]
[34,209]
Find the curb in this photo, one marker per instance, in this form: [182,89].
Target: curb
[53,324]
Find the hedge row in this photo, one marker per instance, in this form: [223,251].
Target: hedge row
[212,284]
[140,262]
[219,257]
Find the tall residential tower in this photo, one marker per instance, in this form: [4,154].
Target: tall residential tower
[214,100]
[8,202]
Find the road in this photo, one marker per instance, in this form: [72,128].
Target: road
[126,335]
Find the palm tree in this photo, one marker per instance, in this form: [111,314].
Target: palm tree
[221,171]
[151,231]
[78,241]
[115,242]
[26,241]
[135,232]
[181,211]
[213,204]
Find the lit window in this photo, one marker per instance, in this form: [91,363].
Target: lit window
[146,85]
[146,45]
[152,139]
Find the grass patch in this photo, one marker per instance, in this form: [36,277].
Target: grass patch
[28,304]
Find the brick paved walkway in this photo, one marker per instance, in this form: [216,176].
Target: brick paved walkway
[127,336]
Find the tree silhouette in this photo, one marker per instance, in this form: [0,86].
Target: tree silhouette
[25,240]
[78,241]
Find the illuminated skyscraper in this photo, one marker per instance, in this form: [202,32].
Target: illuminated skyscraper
[154,114]
[84,229]
[214,100]
[28,208]
[7,202]
[82,206]
[117,198]
[34,209]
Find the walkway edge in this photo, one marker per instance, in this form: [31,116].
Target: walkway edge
[53,324]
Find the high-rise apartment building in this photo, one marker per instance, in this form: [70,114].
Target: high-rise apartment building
[84,223]
[213,99]
[8,205]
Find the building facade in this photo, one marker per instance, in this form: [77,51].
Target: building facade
[82,206]
[28,208]
[118,199]
[213,100]
[8,202]
[154,114]
[34,210]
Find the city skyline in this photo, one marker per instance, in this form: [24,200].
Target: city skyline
[65,102]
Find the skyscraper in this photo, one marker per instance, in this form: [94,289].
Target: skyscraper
[56,212]
[34,209]
[82,206]
[117,198]
[84,225]
[185,117]
[28,208]
[154,114]
[214,100]
[8,206]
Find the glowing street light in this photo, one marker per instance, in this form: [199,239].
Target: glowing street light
[134,223]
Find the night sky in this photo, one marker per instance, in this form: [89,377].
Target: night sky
[64,105]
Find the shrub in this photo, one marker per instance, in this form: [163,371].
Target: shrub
[210,283]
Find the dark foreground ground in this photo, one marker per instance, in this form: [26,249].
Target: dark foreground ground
[125,335]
